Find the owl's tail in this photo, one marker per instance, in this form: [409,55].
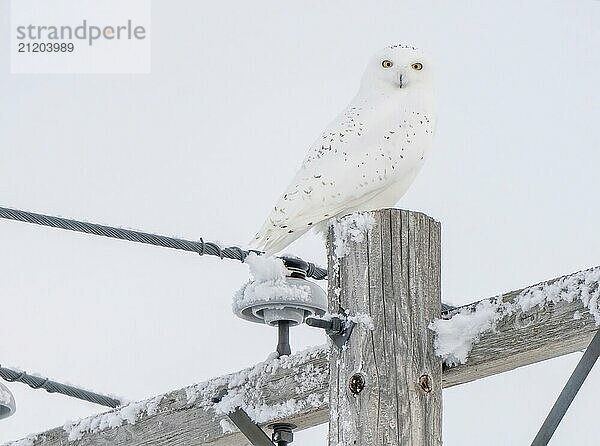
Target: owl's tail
[272,239]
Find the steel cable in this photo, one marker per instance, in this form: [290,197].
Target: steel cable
[36,382]
[201,247]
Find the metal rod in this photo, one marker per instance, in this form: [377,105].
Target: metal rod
[283,344]
[568,393]
[249,428]
[319,323]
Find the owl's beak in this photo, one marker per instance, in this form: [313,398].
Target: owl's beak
[400,80]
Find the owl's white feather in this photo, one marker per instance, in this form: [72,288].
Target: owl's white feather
[368,156]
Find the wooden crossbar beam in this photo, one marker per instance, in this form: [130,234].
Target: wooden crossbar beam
[524,338]
[297,389]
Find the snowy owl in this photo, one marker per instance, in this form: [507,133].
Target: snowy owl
[368,156]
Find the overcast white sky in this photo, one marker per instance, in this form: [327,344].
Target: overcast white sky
[203,146]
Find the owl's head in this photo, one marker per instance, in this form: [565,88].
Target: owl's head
[398,66]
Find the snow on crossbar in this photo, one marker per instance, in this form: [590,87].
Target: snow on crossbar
[292,387]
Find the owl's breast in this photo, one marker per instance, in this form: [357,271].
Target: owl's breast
[408,138]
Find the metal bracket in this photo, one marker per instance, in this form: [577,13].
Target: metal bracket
[337,329]
[283,433]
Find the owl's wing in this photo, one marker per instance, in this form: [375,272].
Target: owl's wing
[323,188]
[353,161]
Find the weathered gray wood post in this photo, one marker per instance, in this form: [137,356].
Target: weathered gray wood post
[386,384]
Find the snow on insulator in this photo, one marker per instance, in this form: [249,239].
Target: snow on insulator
[277,294]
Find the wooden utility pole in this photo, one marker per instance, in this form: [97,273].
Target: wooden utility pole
[386,383]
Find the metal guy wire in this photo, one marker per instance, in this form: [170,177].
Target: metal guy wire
[50,386]
[201,247]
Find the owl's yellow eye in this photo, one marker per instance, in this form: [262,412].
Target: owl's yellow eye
[387,63]
[417,66]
